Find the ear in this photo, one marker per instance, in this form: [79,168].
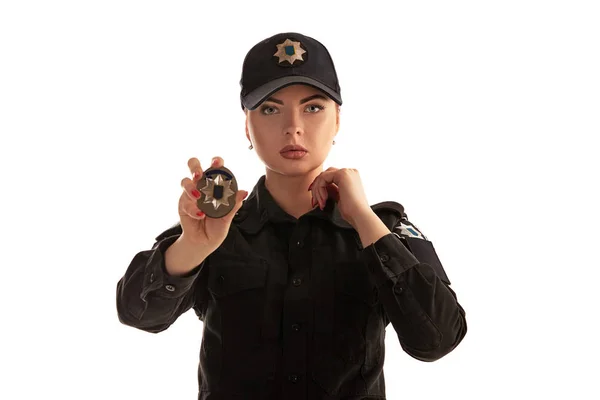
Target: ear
[337,120]
[246,124]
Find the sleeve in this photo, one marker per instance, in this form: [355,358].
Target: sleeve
[415,293]
[150,299]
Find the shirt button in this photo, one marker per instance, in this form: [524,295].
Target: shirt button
[170,288]
[293,378]
[297,281]
[296,327]
[398,289]
[384,257]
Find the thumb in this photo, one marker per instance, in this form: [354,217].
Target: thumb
[239,197]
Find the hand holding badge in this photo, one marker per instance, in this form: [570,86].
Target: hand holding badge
[212,193]
[218,188]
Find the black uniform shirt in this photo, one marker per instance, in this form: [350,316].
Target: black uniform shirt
[296,309]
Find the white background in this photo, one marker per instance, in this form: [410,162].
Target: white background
[480,117]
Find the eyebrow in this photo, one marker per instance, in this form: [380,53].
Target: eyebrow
[309,98]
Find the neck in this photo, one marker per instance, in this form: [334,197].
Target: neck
[291,192]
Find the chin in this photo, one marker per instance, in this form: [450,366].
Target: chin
[291,167]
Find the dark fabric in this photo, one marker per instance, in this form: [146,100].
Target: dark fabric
[296,308]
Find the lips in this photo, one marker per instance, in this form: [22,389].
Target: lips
[292,147]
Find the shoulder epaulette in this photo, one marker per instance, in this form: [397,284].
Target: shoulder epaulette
[390,212]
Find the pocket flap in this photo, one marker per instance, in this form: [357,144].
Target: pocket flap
[232,274]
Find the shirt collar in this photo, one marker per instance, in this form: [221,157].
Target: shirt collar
[260,207]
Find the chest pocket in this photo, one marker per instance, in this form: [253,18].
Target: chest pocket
[232,273]
[238,288]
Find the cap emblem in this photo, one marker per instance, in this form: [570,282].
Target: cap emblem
[289,51]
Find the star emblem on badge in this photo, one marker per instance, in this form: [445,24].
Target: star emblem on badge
[289,51]
[217,191]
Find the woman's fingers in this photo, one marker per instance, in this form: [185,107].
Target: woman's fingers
[188,202]
[190,208]
[190,189]
[195,168]
[325,186]
[217,162]
[315,197]
[319,193]
[333,191]
[239,197]
[323,193]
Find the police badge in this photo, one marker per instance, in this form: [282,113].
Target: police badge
[218,188]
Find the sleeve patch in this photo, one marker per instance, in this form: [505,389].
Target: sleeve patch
[407,229]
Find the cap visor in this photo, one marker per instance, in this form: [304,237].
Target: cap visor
[257,96]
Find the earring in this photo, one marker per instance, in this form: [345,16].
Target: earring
[250,147]
[334,142]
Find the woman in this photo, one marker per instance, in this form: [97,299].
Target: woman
[296,285]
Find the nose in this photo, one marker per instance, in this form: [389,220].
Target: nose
[293,122]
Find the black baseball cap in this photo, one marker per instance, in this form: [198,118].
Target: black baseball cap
[285,59]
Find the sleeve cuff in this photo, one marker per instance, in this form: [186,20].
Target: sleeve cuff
[157,279]
[388,258]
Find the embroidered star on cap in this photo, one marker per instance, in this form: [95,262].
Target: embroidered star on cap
[289,51]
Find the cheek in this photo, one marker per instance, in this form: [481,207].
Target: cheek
[255,129]
[323,127]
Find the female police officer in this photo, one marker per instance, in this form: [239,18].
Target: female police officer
[297,284]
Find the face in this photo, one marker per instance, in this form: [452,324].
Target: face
[297,114]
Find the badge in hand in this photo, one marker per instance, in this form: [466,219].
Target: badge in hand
[218,188]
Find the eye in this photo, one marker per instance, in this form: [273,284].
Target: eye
[268,110]
[315,107]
